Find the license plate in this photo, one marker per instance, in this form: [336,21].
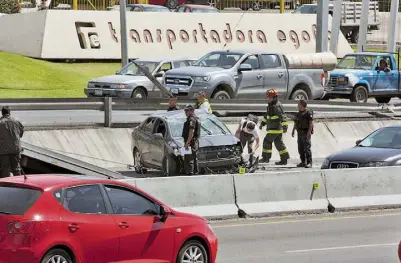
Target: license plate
[174,91]
[98,92]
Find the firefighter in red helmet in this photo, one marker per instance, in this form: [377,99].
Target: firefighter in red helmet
[275,121]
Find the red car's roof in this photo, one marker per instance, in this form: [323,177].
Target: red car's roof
[44,181]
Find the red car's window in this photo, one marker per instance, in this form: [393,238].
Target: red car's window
[17,200]
[126,202]
[86,199]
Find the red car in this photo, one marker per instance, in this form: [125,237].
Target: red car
[399,251]
[81,219]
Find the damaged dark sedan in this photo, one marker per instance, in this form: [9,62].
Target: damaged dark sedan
[157,141]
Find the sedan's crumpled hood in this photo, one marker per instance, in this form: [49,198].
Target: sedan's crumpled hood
[213,140]
[195,71]
[120,79]
[366,154]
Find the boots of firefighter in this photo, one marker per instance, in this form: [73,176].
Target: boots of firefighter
[282,162]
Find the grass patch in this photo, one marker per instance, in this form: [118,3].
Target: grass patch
[22,77]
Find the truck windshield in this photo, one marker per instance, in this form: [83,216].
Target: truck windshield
[306,9]
[224,60]
[132,70]
[210,126]
[363,62]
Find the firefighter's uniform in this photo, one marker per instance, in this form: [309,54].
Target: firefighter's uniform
[276,124]
[204,106]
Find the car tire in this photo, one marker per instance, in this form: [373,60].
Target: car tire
[190,246]
[138,166]
[359,94]
[299,94]
[383,100]
[170,166]
[172,4]
[139,93]
[57,255]
[221,95]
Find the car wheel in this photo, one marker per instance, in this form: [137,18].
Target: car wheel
[221,95]
[382,100]
[172,4]
[138,166]
[299,94]
[193,251]
[139,93]
[360,95]
[170,166]
[256,6]
[57,256]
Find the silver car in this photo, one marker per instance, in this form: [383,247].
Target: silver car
[130,82]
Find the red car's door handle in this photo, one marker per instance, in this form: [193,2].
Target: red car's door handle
[73,227]
[123,225]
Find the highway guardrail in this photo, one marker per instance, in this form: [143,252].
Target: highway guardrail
[109,104]
[230,196]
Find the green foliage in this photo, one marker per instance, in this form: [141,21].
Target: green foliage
[9,6]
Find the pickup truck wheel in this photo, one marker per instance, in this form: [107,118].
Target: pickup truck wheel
[299,94]
[221,95]
[383,100]
[360,95]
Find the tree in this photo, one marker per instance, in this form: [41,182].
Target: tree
[9,6]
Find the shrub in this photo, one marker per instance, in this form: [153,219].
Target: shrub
[9,6]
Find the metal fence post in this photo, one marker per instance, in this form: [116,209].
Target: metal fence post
[363,26]
[75,4]
[282,6]
[335,25]
[108,110]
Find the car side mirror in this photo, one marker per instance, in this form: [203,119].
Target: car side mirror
[358,142]
[244,67]
[159,74]
[158,135]
[164,213]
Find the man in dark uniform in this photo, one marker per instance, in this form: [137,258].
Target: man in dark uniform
[191,134]
[276,124]
[11,132]
[303,124]
[172,104]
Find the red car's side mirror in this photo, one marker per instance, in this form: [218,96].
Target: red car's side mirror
[164,213]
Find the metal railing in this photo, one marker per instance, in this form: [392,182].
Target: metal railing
[240,106]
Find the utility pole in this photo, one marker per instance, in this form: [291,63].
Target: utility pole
[123,32]
[363,26]
[322,26]
[393,28]
[335,26]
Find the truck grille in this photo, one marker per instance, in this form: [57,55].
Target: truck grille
[178,81]
[343,165]
[333,82]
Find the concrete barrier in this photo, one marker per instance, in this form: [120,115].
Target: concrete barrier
[261,194]
[364,187]
[210,196]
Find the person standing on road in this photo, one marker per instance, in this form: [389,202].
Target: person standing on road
[11,132]
[172,104]
[247,133]
[191,134]
[203,103]
[276,124]
[303,124]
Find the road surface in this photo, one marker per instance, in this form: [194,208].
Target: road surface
[339,238]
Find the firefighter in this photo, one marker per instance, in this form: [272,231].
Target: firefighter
[172,104]
[203,103]
[276,124]
[303,124]
[191,134]
[247,132]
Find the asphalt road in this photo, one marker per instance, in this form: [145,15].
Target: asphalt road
[341,238]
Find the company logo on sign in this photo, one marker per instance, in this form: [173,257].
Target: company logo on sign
[89,39]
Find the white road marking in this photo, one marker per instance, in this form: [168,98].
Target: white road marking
[338,248]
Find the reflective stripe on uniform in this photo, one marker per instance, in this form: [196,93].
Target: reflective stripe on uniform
[284,123]
[274,131]
[274,117]
[283,151]
[267,151]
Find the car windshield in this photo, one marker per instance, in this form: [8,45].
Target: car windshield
[364,62]
[224,60]
[383,138]
[209,126]
[204,10]
[156,9]
[306,9]
[132,70]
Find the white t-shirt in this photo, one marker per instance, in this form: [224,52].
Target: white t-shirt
[255,131]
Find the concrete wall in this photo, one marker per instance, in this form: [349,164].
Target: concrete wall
[114,145]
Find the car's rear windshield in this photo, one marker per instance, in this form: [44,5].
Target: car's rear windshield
[209,126]
[17,200]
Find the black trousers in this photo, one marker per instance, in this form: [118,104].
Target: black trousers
[304,147]
[277,139]
[191,166]
[10,163]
